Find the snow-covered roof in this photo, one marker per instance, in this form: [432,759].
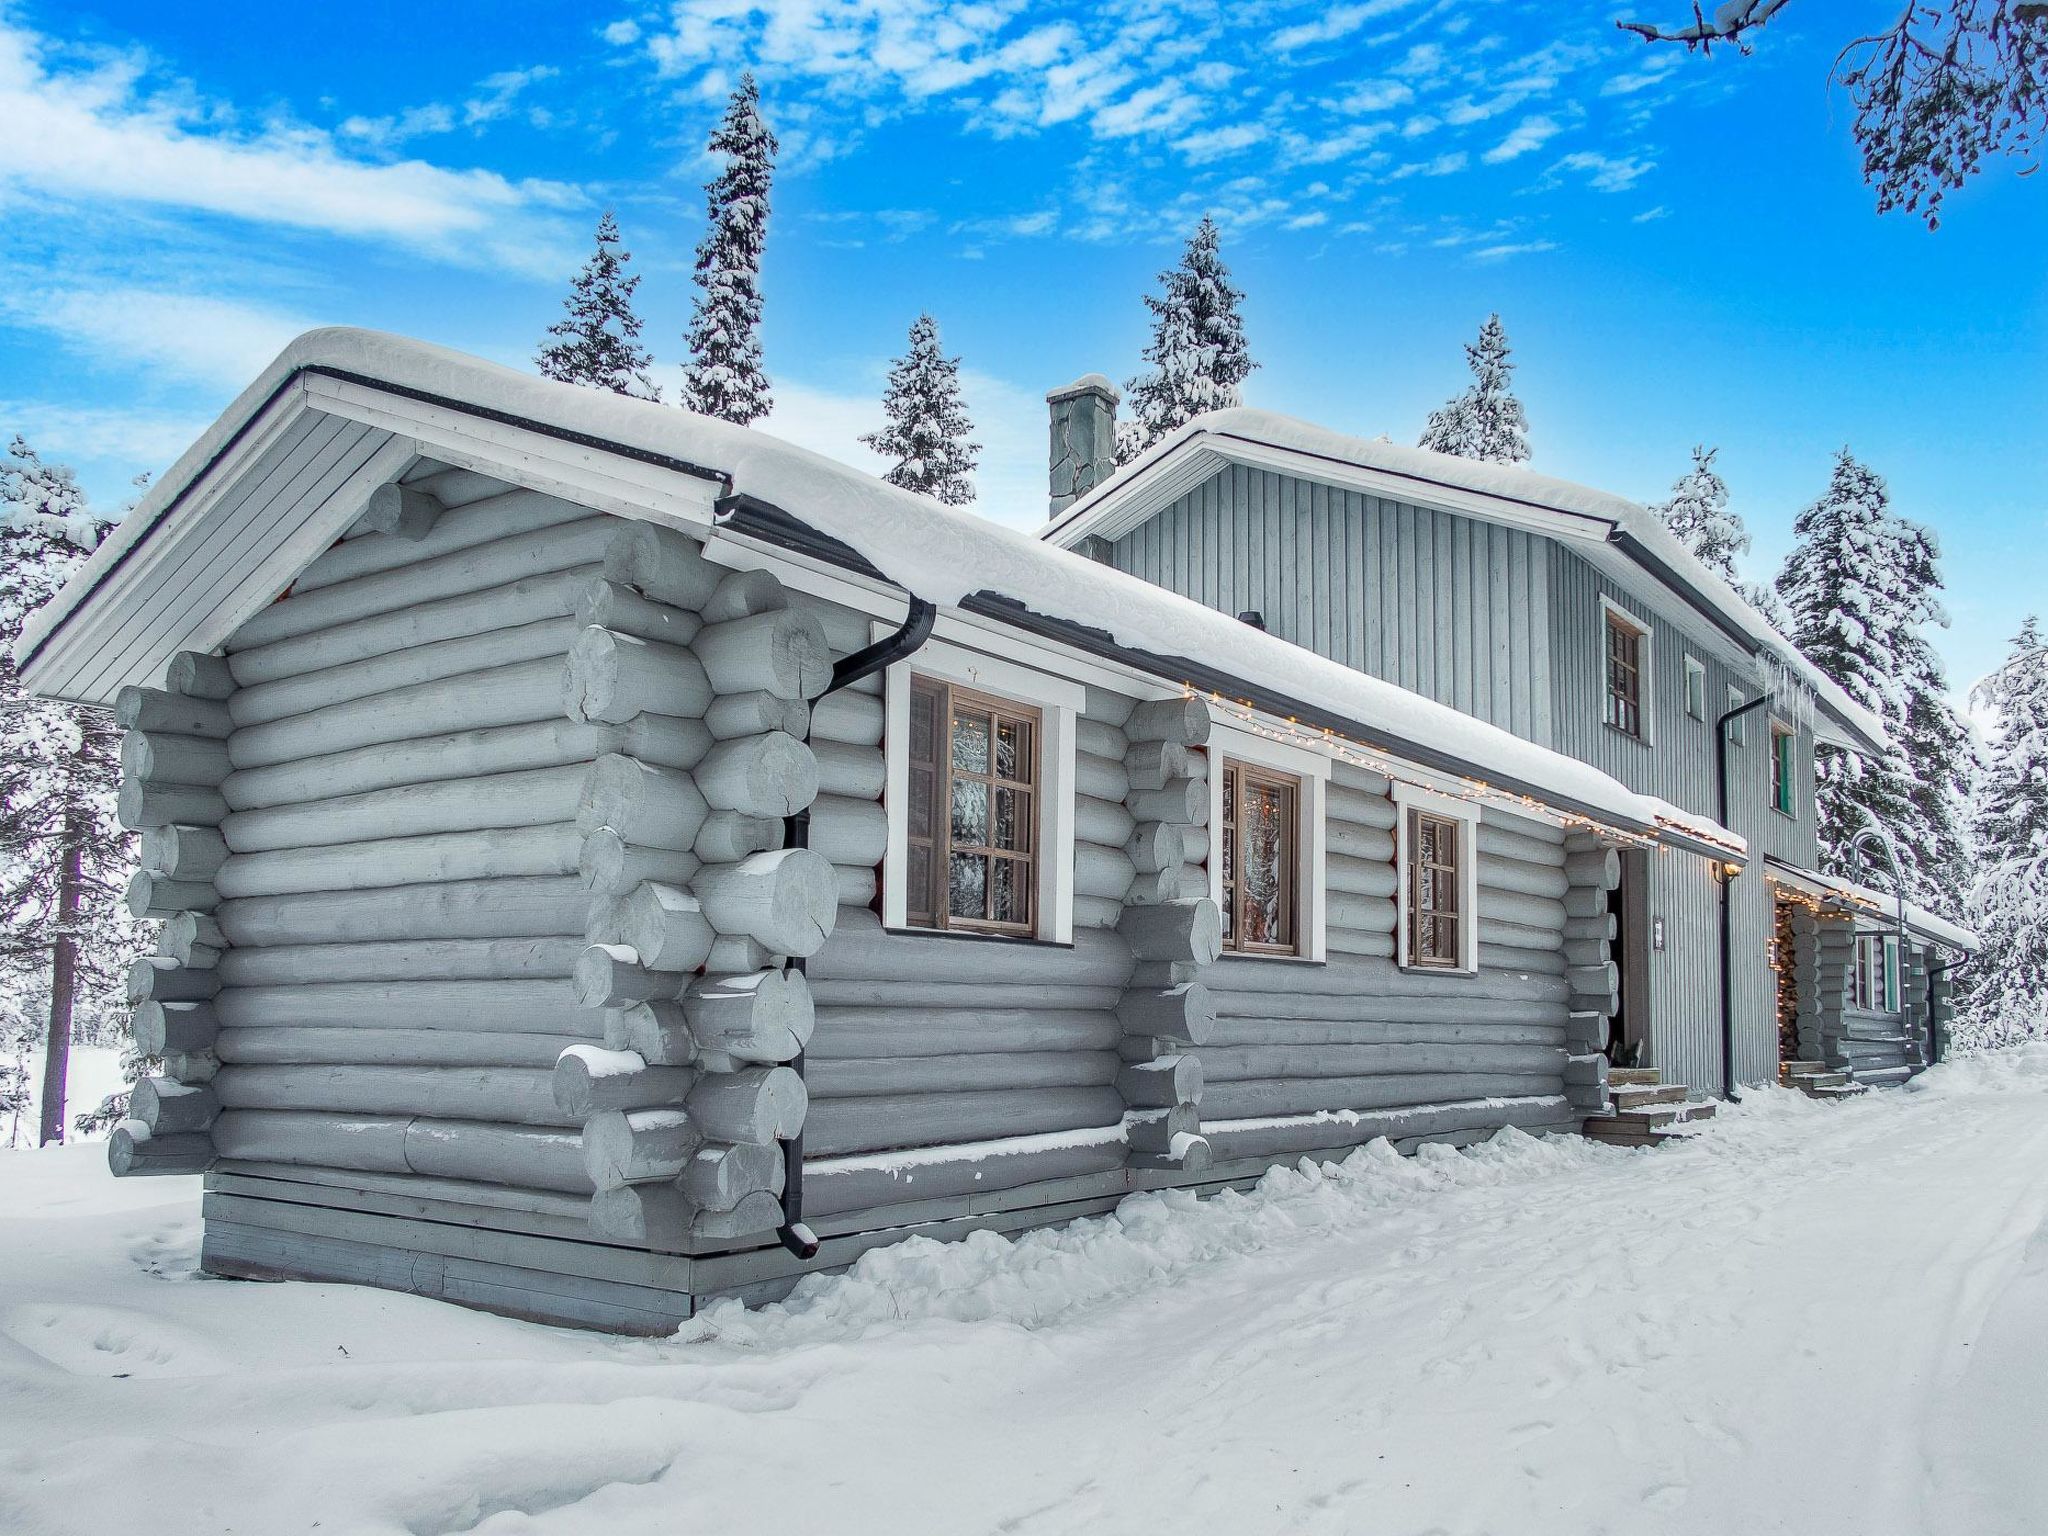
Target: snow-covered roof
[1495,492]
[942,554]
[1870,902]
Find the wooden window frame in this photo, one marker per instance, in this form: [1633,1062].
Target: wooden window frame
[1616,700]
[942,918]
[1418,868]
[1695,688]
[1874,983]
[1738,728]
[1783,770]
[1230,829]
[1415,804]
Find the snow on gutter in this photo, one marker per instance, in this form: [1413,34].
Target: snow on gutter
[1633,529]
[1869,901]
[947,556]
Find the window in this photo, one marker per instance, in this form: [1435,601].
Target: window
[1259,846]
[1628,672]
[1738,728]
[1695,687]
[1784,768]
[1267,855]
[978,786]
[1439,887]
[973,810]
[1874,973]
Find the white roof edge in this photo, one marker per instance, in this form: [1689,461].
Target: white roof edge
[939,553]
[1520,492]
[1881,904]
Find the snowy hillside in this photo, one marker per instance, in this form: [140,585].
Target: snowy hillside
[1814,1319]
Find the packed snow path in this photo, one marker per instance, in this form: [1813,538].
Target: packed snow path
[1812,1319]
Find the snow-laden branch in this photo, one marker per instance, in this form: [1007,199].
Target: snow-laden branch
[1728,22]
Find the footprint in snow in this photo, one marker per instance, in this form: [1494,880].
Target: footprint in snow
[108,1341]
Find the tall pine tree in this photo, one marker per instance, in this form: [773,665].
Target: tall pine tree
[1940,752]
[1198,353]
[927,435]
[597,340]
[1854,605]
[1486,422]
[1697,515]
[2005,988]
[64,933]
[724,377]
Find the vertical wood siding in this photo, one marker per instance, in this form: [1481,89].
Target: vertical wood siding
[1453,608]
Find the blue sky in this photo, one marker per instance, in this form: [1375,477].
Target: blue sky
[1681,249]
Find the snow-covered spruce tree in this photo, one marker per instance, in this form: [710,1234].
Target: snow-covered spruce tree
[1486,422]
[2005,988]
[1198,353]
[1856,604]
[64,934]
[1940,752]
[724,377]
[1697,515]
[597,340]
[927,434]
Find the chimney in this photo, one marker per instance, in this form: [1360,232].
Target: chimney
[1083,438]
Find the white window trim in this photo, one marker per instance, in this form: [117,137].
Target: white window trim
[1313,769]
[1738,728]
[1410,797]
[1695,668]
[1646,677]
[1058,701]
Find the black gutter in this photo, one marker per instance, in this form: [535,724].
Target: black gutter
[424,397]
[1728,717]
[772,525]
[793,1234]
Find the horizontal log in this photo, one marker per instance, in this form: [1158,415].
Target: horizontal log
[515,1095]
[168,1028]
[164,758]
[589,1080]
[1097,911]
[417,665]
[740,593]
[477,510]
[719,1175]
[516,1007]
[1101,822]
[1100,738]
[1360,914]
[515,907]
[1604,928]
[607,865]
[198,675]
[466,755]
[849,717]
[848,832]
[1156,846]
[530,798]
[424,581]
[611,976]
[1583,901]
[400,512]
[435,859]
[1165,1132]
[1166,1081]
[152,896]
[1261,1138]
[1548,1030]
[183,853]
[1586,952]
[192,939]
[1301,1096]
[760,1016]
[144,803]
[159,978]
[883,1033]
[862,1077]
[1512,875]
[1240,985]
[133,1151]
[612,678]
[840,1127]
[772,775]
[1595,979]
[1182,720]
[1360,808]
[787,900]
[663,564]
[1102,777]
[1184,802]
[1371,844]
[156,709]
[403,960]
[860,950]
[1151,765]
[357,1045]
[612,605]
[648,806]
[516,694]
[1535,912]
[172,1109]
[735,715]
[1281,1062]
[622,1148]
[840,1186]
[1598,868]
[1103,872]
[760,1104]
[1180,930]
[665,926]
[1360,877]
[783,652]
[1185,1012]
[1525,842]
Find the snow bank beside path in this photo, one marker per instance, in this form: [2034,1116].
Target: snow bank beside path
[1829,1320]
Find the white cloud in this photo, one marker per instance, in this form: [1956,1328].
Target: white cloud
[1371,96]
[1307,220]
[1448,163]
[1607,173]
[1530,133]
[493,99]
[221,342]
[621,34]
[1651,215]
[1520,248]
[1338,21]
[1215,143]
[68,433]
[96,133]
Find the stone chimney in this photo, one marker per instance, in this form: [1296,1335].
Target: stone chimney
[1083,438]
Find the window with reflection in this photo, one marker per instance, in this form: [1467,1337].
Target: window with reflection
[1258,844]
[1435,891]
[973,811]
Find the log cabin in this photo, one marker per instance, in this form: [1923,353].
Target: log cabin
[609,859]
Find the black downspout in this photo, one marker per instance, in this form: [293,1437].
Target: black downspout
[796,833]
[1721,725]
[1947,967]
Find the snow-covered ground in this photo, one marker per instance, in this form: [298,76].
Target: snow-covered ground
[1813,1319]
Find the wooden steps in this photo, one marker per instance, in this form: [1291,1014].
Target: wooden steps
[1817,1081]
[1647,1110]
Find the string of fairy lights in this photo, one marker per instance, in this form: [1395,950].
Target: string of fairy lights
[1244,716]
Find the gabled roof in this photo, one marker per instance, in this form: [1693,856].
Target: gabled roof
[1608,530]
[241,514]
[1867,902]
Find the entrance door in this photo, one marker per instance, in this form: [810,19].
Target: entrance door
[1628,1040]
